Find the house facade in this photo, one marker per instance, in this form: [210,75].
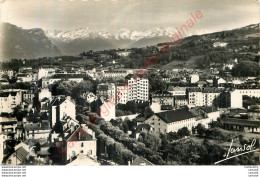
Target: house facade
[62,107]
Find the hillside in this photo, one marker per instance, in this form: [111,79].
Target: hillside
[200,51]
[22,43]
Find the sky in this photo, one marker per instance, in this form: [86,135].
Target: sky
[112,15]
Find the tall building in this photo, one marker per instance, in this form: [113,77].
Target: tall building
[138,89]
[202,96]
[121,93]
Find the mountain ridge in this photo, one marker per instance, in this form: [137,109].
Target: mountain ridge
[25,43]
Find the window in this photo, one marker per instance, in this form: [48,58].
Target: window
[81,151]
[82,144]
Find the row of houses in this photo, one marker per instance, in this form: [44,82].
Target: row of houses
[176,97]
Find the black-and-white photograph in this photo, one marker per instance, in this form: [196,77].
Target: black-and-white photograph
[130,83]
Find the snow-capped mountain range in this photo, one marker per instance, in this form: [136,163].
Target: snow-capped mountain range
[34,43]
[126,34]
[84,39]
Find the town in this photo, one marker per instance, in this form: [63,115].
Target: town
[94,109]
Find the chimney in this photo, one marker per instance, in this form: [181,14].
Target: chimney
[93,134]
[79,132]
[129,163]
[72,128]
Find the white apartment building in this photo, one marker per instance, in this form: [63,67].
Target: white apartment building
[45,72]
[202,96]
[121,93]
[138,89]
[236,96]
[9,99]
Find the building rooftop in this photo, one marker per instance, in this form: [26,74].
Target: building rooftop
[175,115]
[171,88]
[141,161]
[161,93]
[80,134]
[21,154]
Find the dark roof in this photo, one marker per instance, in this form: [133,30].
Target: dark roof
[23,75]
[79,135]
[140,128]
[58,101]
[140,119]
[136,76]
[162,92]
[244,122]
[6,94]
[175,115]
[45,99]
[172,88]
[166,107]
[180,97]
[209,109]
[21,154]
[140,160]
[204,90]
[116,71]
[36,126]
[102,87]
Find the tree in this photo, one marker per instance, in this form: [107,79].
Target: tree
[125,127]
[119,113]
[152,140]
[200,129]
[131,106]
[245,69]
[18,113]
[82,87]
[183,132]
[79,118]
[37,147]
[148,112]
[58,127]
[156,82]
